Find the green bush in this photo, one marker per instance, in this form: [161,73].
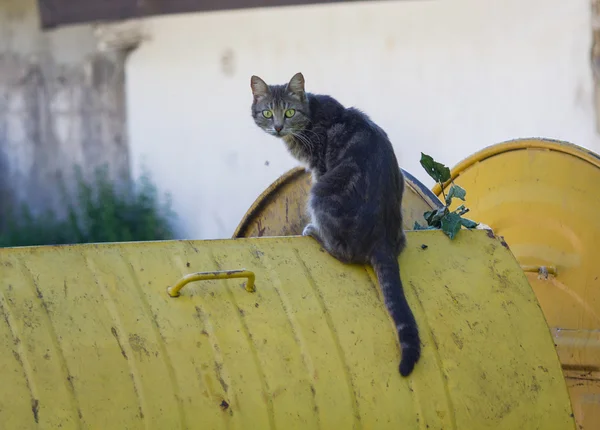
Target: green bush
[97,213]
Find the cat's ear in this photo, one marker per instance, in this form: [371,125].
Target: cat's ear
[296,86]
[259,88]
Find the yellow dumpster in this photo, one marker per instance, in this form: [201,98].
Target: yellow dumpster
[91,338]
[542,196]
[281,209]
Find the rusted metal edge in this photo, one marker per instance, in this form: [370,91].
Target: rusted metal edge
[419,188]
[272,191]
[264,198]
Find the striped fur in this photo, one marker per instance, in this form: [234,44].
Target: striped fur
[355,200]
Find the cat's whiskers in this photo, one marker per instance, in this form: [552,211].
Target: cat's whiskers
[304,141]
[314,133]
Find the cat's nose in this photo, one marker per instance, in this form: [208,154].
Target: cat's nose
[278,128]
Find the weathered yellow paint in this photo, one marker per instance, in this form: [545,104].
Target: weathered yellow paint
[281,209]
[542,197]
[90,338]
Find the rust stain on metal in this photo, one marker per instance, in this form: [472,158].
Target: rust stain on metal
[260,228]
[113,330]
[35,408]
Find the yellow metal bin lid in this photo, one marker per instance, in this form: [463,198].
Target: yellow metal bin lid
[89,338]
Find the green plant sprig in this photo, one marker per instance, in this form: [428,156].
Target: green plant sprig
[450,222]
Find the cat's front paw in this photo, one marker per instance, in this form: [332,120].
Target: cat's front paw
[309,230]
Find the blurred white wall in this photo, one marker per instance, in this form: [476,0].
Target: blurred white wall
[443,77]
[61,106]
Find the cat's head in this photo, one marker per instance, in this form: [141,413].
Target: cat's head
[280,110]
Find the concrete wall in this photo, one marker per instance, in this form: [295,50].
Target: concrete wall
[443,77]
[61,104]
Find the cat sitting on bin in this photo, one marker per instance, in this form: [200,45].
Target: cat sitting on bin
[355,200]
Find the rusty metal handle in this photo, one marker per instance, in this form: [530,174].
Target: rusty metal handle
[173,291]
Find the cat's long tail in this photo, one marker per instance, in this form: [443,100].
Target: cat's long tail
[385,265]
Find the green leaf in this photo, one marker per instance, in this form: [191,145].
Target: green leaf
[418,226]
[434,218]
[428,216]
[468,223]
[451,224]
[437,171]
[455,191]
[461,210]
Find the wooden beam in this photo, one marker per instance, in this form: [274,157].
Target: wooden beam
[55,13]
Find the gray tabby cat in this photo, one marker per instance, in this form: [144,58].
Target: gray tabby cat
[355,200]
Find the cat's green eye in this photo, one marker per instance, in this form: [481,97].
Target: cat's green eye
[290,113]
[267,113]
